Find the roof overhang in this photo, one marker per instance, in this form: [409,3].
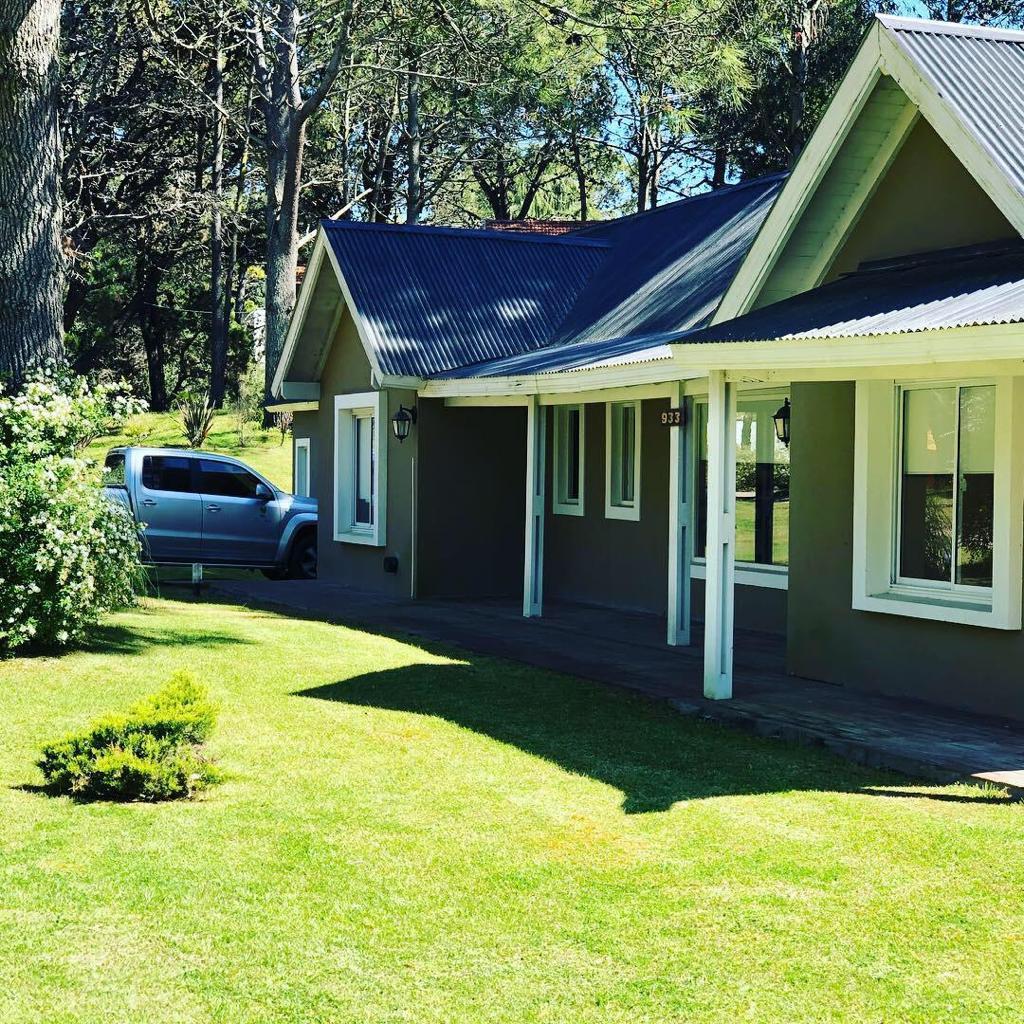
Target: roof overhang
[323,299]
[980,351]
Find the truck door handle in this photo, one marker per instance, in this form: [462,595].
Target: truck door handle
[213,508]
[148,502]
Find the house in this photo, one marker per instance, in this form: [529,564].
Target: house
[793,405]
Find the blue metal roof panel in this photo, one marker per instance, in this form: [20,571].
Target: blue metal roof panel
[970,287]
[669,267]
[979,72]
[666,271]
[432,299]
[565,358]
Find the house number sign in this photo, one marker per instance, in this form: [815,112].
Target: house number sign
[673,418]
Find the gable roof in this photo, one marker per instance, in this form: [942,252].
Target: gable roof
[972,286]
[967,82]
[431,299]
[979,73]
[439,301]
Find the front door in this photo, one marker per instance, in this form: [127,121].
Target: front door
[238,526]
[171,508]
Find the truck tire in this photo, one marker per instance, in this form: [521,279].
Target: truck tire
[302,557]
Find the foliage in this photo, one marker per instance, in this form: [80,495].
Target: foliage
[197,414]
[67,554]
[248,406]
[151,752]
[262,452]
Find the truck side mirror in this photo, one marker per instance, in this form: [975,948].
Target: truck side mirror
[264,493]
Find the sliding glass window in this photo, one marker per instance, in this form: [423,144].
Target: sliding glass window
[947,463]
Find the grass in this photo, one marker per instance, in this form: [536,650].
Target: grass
[409,835]
[263,449]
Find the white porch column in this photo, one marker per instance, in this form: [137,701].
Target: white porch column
[679,526]
[718,612]
[533,562]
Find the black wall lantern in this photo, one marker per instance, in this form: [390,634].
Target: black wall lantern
[781,419]
[402,421]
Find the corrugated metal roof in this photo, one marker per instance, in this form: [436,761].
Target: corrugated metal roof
[666,271]
[968,287]
[669,267]
[559,358]
[979,72]
[432,299]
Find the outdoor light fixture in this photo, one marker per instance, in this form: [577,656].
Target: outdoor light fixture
[402,421]
[781,419]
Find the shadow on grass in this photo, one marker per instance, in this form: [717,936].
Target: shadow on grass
[109,639]
[653,755]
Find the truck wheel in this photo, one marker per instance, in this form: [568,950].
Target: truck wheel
[302,560]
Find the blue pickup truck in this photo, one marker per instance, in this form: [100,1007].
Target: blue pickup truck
[198,507]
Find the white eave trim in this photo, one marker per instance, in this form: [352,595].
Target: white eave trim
[299,313]
[786,358]
[824,143]
[662,371]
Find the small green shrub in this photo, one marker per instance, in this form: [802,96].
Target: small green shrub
[151,752]
[196,419]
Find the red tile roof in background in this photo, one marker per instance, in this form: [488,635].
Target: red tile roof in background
[532,226]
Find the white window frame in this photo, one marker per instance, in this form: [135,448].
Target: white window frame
[749,574]
[876,511]
[301,444]
[347,408]
[560,504]
[613,509]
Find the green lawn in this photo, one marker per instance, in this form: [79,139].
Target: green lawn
[412,837]
[263,449]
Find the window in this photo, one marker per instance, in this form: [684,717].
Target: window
[762,485]
[360,451]
[300,472]
[568,465]
[167,473]
[946,486]
[226,480]
[363,422]
[113,470]
[938,493]
[622,461]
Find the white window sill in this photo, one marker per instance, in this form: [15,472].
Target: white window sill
[630,513]
[562,509]
[935,606]
[366,537]
[771,577]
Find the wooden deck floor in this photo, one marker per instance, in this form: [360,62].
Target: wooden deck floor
[629,650]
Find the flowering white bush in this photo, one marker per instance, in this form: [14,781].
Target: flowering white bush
[67,554]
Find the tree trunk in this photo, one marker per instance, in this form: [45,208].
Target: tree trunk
[218,306]
[581,178]
[720,168]
[31,257]
[412,131]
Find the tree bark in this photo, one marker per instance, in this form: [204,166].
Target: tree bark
[31,256]
[218,306]
[412,130]
[285,115]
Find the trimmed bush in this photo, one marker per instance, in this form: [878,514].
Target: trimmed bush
[152,752]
